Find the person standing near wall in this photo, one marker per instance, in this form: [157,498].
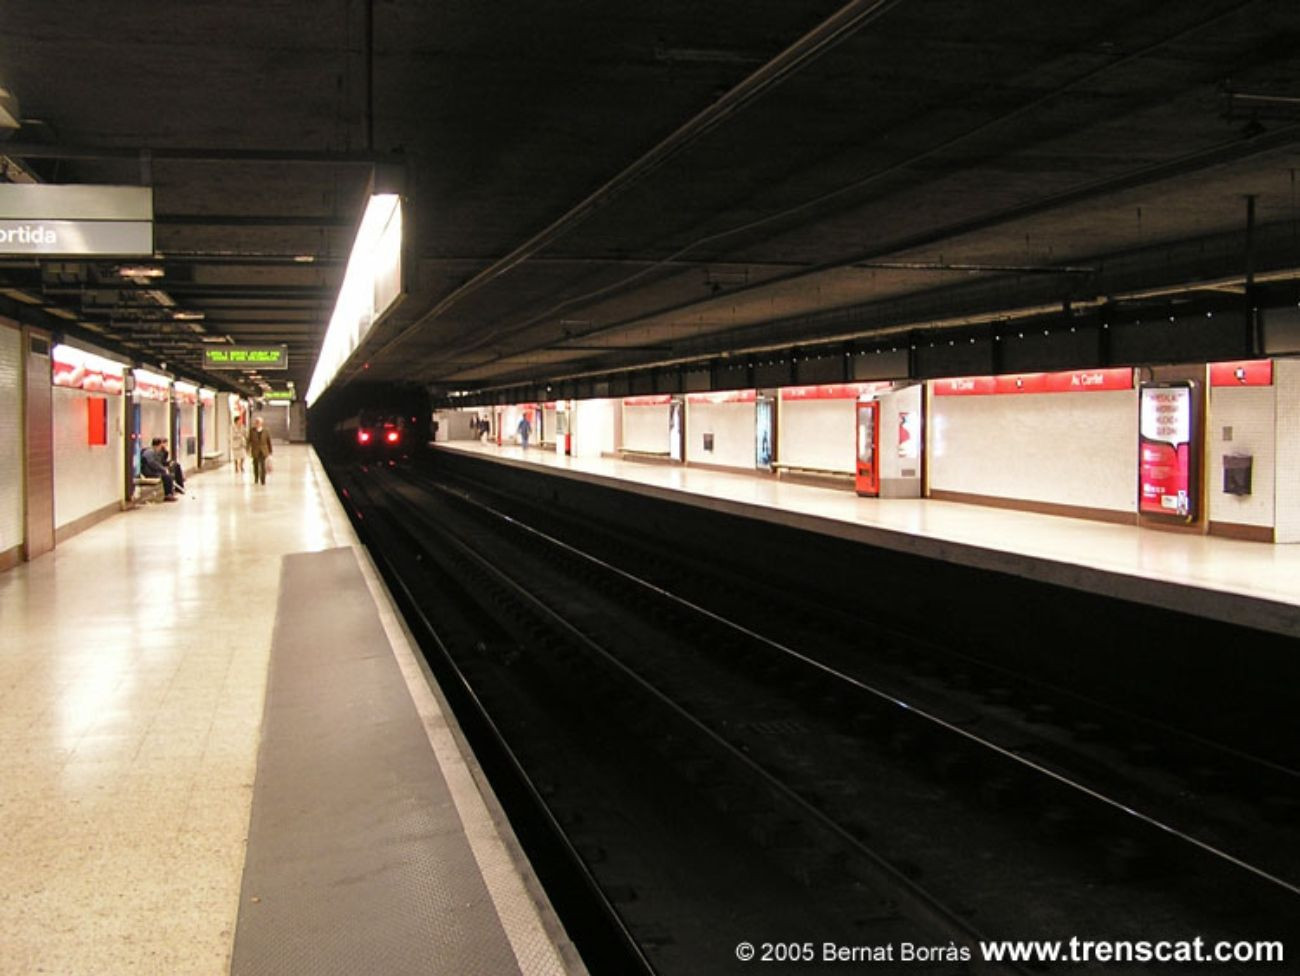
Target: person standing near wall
[259,449]
[238,443]
[523,430]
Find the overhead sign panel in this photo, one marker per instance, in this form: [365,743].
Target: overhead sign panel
[70,220]
[246,357]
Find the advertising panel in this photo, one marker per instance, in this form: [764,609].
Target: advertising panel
[1166,474]
[764,430]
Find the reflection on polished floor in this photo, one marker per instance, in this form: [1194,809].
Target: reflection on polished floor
[1178,570]
[133,663]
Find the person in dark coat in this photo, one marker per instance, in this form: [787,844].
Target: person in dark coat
[259,449]
[153,464]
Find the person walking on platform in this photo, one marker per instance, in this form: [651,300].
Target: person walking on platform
[238,444]
[524,429]
[259,449]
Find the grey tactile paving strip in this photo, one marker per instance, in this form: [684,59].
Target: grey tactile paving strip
[356,861]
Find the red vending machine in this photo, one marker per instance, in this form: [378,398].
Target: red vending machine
[867,480]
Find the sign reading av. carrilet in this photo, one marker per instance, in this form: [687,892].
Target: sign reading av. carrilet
[74,219]
[246,357]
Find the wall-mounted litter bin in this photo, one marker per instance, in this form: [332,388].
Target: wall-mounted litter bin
[1236,474]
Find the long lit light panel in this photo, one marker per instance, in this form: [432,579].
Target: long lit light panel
[371,283]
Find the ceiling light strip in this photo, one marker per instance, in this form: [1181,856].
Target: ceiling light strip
[371,284]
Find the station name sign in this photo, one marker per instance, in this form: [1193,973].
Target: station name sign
[246,357]
[74,219]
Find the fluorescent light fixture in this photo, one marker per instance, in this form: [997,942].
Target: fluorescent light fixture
[182,315]
[140,271]
[74,357]
[18,295]
[371,284]
[215,338]
[304,258]
[153,379]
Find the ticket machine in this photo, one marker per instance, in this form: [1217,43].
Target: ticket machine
[867,479]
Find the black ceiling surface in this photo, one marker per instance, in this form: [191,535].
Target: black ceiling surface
[594,186]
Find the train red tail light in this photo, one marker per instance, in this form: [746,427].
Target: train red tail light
[391,437]
[363,437]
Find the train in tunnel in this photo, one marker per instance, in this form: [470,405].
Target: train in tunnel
[374,422]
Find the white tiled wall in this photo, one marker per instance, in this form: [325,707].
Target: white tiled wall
[732,427]
[1286,384]
[1246,415]
[209,412]
[221,425]
[593,427]
[817,434]
[189,431]
[86,477]
[11,439]
[1062,448]
[455,425]
[645,428]
[153,423]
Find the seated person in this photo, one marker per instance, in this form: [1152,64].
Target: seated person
[177,472]
[153,464]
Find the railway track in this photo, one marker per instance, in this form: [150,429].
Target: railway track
[718,779]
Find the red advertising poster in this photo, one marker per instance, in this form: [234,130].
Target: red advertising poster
[96,422]
[1165,445]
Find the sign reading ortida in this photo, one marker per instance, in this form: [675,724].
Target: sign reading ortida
[246,357]
[76,219]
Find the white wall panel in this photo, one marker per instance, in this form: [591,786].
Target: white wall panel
[456,425]
[185,451]
[86,477]
[817,434]
[593,427]
[1286,382]
[732,427]
[153,423]
[549,423]
[11,439]
[221,425]
[646,429]
[1246,415]
[1062,448]
[210,438]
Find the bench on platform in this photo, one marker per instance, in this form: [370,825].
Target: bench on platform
[814,476]
[147,490]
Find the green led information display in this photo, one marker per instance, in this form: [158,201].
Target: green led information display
[246,357]
[278,395]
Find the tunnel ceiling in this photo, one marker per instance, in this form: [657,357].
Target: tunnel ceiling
[595,186]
